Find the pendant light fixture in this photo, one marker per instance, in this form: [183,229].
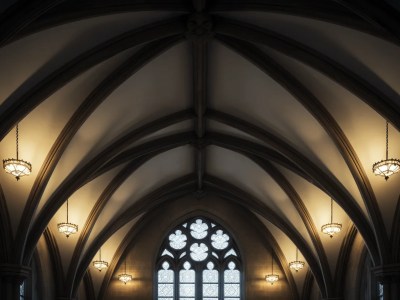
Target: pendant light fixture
[15,166]
[331,228]
[272,278]
[297,264]
[125,277]
[67,228]
[388,166]
[100,264]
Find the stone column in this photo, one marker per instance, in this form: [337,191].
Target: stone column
[64,298]
[337,298]
[389,277]
[11,277]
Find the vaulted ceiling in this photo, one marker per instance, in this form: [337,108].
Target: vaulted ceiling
[121,105]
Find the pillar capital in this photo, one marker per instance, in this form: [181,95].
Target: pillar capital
[388,276]
[14,272]
[387,273]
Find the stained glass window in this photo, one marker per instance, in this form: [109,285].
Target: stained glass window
[199,261]
[22,291]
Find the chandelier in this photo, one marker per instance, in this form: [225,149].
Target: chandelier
[100,264]
[272,278]
[67,228]
[16,166]
[388,166]
[125,277]
[297,264]
[331,228]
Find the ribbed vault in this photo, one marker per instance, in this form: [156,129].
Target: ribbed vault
[125,106]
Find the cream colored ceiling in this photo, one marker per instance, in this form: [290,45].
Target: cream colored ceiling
[164,86]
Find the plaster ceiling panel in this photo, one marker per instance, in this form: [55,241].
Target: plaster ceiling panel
[52,48]
[318,206]
[39,131]
[108,250]
[241,89]
[365,130]
[288,249]
[80,205]
[155,173]
[356,50]
[161,87]
[215,126]
[238,170]
[181,127]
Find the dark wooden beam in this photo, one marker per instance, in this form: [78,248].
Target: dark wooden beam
[5,229]
[233,193]
[77,179]
[322,179]
[326,120]
[343,261]
[387,107]
[175,189]
[56,264]
[89,105]
[97,209]
[21,15]
[302,210]
[17,107]
[199,48]
[378,13]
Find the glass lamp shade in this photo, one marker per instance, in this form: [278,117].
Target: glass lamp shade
[125,278]
[296,265]
[272,278]
[386,168]
[331,229]
[17,167]
[100,264]
[67,228]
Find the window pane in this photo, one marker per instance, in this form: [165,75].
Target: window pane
[232,276]
[166,276]
[219,240]
[177,240]
[186,276]
[198,251]
[210,290]
[199,229]
[186,290]
[194,245]
[231,290]
[165,290]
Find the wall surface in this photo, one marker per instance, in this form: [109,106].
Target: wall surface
[144,249]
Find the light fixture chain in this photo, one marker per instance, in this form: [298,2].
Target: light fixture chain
[272,264]
[125,265]
[100,254]
[17,139]
[297,254]
[387,140]
[67,210]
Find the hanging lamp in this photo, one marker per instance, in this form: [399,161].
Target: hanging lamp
[67,228]
[331,228]
[388,166]
[272,278]
[15,166]
[297,264]
[100,264]
[125,277]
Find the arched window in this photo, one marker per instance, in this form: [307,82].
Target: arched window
[199,260]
